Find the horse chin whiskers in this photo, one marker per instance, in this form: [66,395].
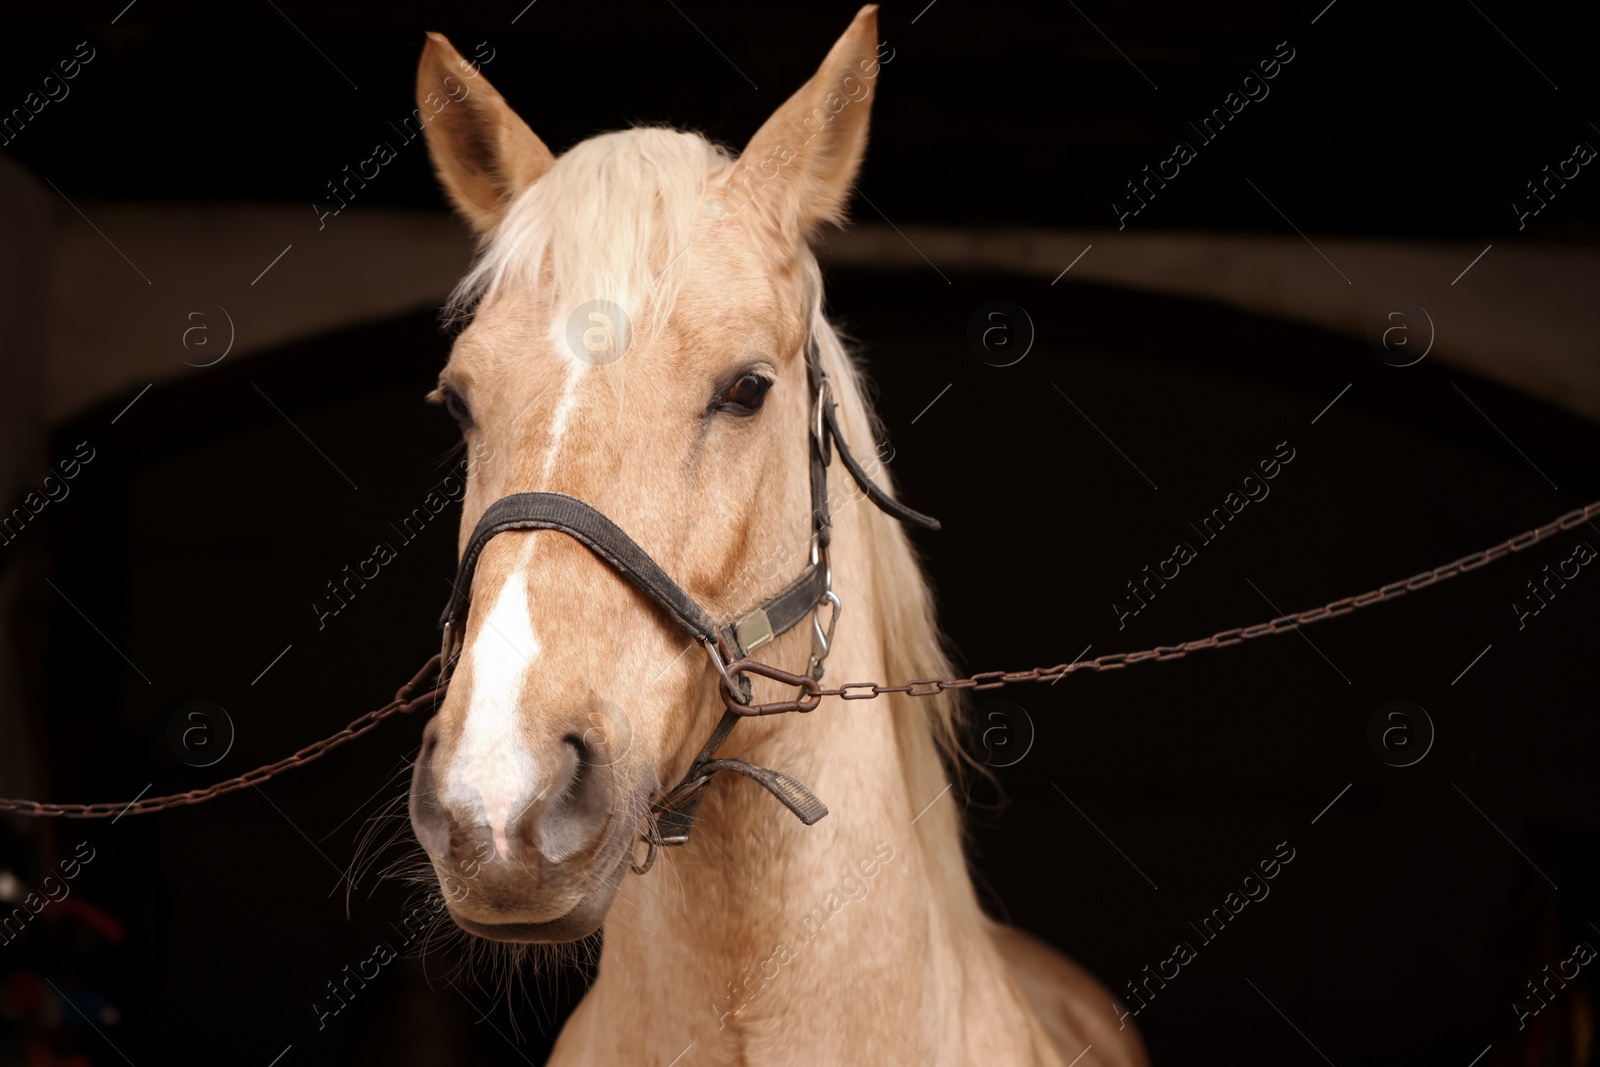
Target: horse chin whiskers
[372,843]
[499,968]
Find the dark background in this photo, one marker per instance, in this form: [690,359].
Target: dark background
[1417,906]
[1418,121]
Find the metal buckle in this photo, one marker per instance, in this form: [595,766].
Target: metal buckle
[752,631]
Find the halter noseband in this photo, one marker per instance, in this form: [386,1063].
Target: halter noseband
[727,644]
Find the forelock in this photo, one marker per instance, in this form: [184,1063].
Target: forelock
[609,221]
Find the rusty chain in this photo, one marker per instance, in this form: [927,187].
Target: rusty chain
[927,687]
[404,701]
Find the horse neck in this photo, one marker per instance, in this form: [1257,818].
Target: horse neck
[759,915]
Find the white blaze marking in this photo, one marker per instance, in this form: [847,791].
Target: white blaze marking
[558,423]
[492,762]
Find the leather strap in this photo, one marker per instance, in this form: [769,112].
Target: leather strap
[794,796]
[675,822]
[675,813]
[817,449]
[782,612]
[583,523]
[875,492]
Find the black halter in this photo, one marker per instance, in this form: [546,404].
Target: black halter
[728,643]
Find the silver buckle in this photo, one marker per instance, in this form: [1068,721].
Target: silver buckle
[752,631]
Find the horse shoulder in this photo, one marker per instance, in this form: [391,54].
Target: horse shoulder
[1075,1009]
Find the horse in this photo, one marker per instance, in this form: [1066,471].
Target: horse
[637,323]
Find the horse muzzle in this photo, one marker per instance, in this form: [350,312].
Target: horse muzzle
[550,870]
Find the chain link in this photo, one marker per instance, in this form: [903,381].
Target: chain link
[404,701]
[926,687]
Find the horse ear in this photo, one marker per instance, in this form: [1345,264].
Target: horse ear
[800,166]
[483,152]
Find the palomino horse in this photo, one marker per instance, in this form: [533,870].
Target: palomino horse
[642,308]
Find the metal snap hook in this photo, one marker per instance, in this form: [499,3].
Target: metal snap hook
[809,697]
[822,639]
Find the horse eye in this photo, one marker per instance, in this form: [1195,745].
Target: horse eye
[745,396]
[457,407]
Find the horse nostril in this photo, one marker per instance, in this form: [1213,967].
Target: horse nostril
[578,744]
[561,809]
[577,813]
[427,815]
[578,771]
[582,761]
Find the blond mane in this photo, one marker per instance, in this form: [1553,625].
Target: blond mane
[928,729]
[609,221]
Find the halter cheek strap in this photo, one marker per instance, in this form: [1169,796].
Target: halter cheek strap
[728,643]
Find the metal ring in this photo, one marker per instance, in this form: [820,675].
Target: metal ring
[649,856]
[820,557]
[448,651]
[730,686]
[822,397]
